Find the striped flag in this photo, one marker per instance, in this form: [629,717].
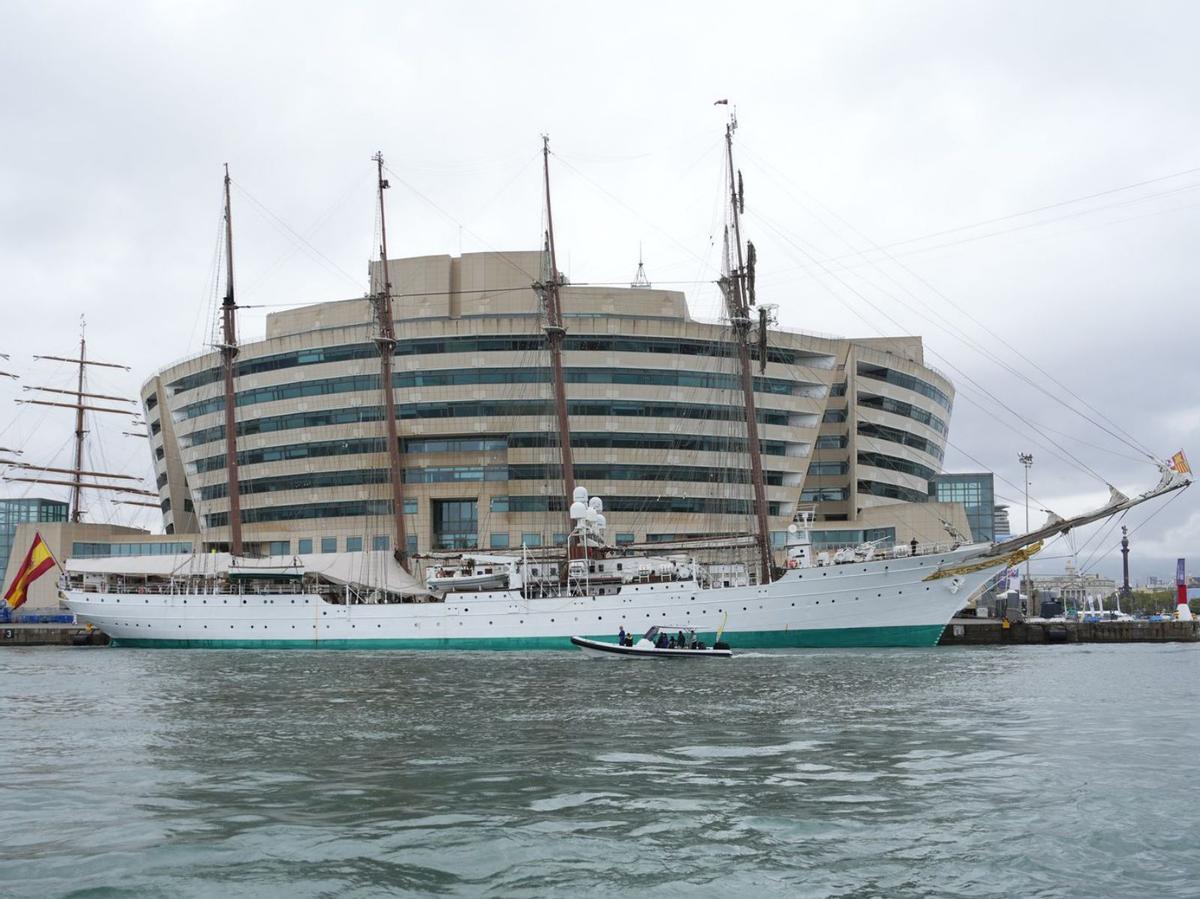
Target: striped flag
[37,562]
[1179,463]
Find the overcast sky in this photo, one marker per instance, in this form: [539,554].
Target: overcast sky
[1007,180]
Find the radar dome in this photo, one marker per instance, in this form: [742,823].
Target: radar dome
[578,510]
[580,495]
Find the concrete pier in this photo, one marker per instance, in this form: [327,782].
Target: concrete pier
[51,635]
[989,631]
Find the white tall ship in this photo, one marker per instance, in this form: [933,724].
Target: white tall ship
[864,596]
[857,597]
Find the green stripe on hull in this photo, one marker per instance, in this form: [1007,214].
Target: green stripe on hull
[843,637]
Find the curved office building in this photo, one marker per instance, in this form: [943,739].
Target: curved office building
[653,397]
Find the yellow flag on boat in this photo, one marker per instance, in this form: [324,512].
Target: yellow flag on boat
[1179,463]
[37,562]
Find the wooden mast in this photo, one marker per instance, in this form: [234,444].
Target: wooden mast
[386,343]
[229,350]
[737,302]
[548,290]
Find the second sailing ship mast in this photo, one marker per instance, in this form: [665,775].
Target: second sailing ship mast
[386,342]
[548,290]
[229,350]
[80,405]
[738,287]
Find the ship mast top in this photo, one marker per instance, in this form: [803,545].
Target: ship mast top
[386,343]
[548,292]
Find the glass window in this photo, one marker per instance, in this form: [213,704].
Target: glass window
[381,542]
[626,538]
[560,539]
[531,540]
[499,504]
[329,544]
[411,540]
[354,544]
[455,523]
[304,546]
[279,547]
[498,541]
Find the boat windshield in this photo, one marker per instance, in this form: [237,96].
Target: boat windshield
[653,633]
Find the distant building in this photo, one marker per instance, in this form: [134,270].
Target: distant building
[24,511]
[1072,587]
[1000,523]
[976,493]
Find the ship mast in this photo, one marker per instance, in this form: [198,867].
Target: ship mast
[80,404]
[386,343]
[548,291]
[229,350]
[738,286]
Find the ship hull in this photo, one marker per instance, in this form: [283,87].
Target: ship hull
[897,602]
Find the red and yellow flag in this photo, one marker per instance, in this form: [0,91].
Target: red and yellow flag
[37,562]
[1179,463]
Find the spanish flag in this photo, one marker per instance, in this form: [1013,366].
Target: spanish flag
[1179,463]
[37,562]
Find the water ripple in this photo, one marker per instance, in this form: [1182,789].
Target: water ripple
[1048,772]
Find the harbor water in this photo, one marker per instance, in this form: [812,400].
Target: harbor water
[999,771]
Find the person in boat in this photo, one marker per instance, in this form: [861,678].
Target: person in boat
[681,641]
[663,641]
[621,636]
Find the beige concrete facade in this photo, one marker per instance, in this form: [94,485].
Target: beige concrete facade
[655,418]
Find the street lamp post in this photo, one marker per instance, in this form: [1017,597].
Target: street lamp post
[1026,459]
